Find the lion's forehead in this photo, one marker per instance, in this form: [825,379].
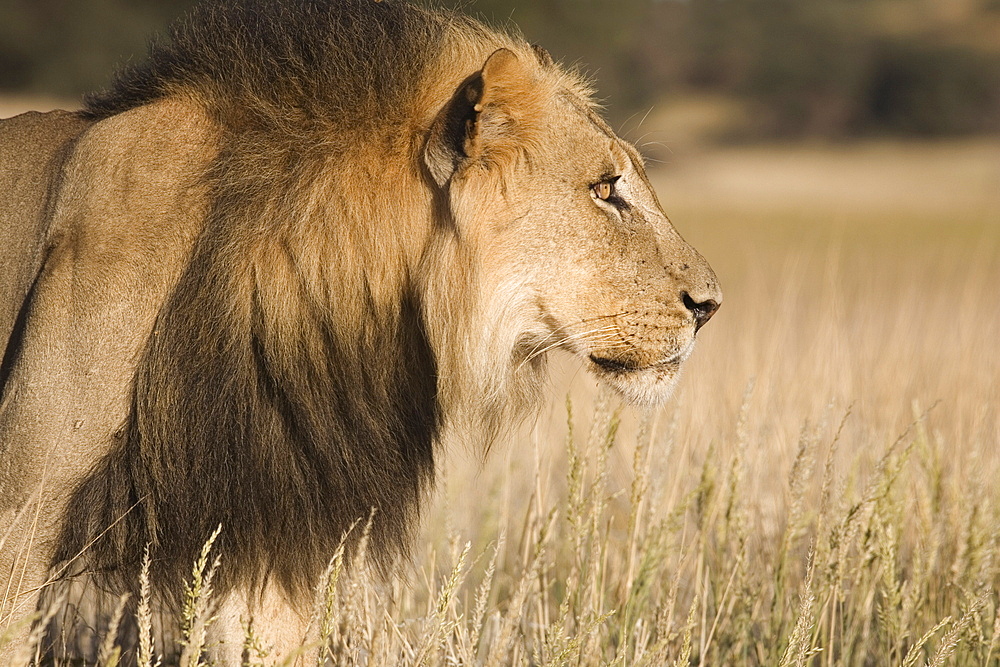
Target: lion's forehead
[581,144]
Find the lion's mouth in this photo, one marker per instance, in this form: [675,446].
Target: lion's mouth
[640,384]
[624,367]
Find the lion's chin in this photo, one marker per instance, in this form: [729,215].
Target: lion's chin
[647,387]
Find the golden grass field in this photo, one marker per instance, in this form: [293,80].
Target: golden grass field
[822,490]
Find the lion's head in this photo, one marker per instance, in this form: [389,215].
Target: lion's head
[573,248]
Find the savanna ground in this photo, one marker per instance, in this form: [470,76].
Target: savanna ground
[822,490]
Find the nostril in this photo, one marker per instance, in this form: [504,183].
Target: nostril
[702,311]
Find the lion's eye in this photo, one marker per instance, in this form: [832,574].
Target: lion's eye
[604,190]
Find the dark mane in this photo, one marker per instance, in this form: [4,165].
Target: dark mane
[283,434]
[320,58]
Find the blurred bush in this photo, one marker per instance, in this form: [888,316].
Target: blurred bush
[830,68]
[847,67]
[931,89]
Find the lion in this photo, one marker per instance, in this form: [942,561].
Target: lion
[260,280]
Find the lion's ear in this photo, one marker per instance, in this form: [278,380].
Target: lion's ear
[477,117]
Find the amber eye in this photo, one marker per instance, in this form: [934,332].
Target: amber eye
[604,190]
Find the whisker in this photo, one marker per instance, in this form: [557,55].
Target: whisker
[549,343]
[606,339]
[565,338]
[606,334]
[586,320]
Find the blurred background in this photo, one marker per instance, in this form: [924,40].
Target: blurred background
[760,69]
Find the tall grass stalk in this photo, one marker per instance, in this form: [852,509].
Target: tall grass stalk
[196,615]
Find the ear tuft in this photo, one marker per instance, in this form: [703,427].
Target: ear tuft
[544,57]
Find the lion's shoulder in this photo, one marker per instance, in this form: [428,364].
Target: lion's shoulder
[33,148]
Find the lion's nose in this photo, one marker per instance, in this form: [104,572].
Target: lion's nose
[702,310]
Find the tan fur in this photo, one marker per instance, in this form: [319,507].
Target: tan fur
[233,286]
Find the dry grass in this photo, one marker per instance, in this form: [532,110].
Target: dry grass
[822,490]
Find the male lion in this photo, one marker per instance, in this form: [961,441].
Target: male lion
[258,279]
